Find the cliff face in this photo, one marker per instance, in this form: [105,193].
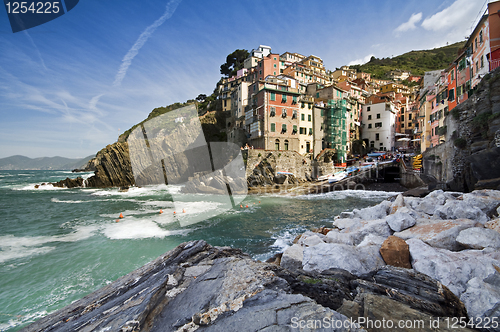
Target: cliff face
[470,158]
[112,167]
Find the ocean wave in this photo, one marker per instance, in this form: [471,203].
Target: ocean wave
[17,320]
[14,247]
[138,229]
[41,187]
[343,194]
[56,200]
[133,191]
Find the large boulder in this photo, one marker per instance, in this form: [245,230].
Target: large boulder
[482,300]
[442,234]
[486,200]
[479,238]
[378,211]
[292,257]
[395,252]
[401,220]
[356,260]
[355,233]
[454,269]
[458,209]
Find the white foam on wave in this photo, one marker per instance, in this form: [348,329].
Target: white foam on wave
[137,229]
[40,187]
[343,194]
[283,241]
[22,319]
[133,191]
[56,200]
[14,247]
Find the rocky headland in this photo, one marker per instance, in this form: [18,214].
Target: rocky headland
[431,263]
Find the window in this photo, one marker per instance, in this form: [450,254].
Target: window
[409,124]
[402,117]
[302,105]
[369,117]
[294,114]
[309,117]
[317,94]
[369,126]
[377,137]
[303,117]
[273,96]
[310,131]
[378,115]
[283,128]
[368,109]
[302,130]
[274,59]
[481,36]
[322,112]
[378,125]
[277,144]
[451,96]
[294,100]
[273,111]
[402,125]
[283,113]
[475,42]
[372,144]
[274,65]
[283,98]
[294,131]
[482,61]
[409,117]
[286,144]
[273,127]
[402,109]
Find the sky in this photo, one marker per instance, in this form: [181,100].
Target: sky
[71,86]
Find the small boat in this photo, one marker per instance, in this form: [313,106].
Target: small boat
[337,177]
[284,173]
[351,170]
[324,177]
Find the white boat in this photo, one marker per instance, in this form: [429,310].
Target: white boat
[337,177]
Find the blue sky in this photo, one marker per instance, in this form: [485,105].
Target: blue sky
[71,86]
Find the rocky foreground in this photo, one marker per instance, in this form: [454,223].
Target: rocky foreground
[413,264]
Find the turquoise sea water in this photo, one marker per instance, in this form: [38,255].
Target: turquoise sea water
[57,245]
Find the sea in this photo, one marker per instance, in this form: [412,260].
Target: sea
[58,245]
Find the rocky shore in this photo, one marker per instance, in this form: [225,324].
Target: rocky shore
[416,264]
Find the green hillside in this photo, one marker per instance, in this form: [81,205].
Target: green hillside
[417,62]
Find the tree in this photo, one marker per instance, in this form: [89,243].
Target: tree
[234,62]
[201,97]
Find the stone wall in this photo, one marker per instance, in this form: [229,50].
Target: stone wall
[476,123]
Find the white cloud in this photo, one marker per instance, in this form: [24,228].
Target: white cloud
[360,61]
[143,38]
[410,25]
[459,15]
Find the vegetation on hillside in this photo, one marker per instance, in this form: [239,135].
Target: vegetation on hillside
[234,62]
[417,62]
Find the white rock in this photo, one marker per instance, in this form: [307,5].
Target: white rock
[401,220]
[481,299]
[452,269]
[342,223]
[460,209]
[357,260]
[378,211]
[486,200]
[292,257]
[335,236]
[479,238]
[440,234]
[493,224]
[372,240]
[355,234]
[429,203]
[310,241]
[398,203]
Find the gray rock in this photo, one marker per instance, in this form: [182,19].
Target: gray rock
[401,220]
[292,257]
[486,200]
[453,269]
[479,238]
[372,240]
[378,211]
[355,234]
[342,223]
[429,203]
[441,234]
[459,209]
[356,260]
[482,300]
[310,240]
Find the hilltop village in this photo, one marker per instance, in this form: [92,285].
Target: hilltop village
[290,101]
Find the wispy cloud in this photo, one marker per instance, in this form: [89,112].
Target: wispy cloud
[143,38]
[458,15]
[361,61]
[36,48]
[410,24]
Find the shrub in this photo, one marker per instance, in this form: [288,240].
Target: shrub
[460,143]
